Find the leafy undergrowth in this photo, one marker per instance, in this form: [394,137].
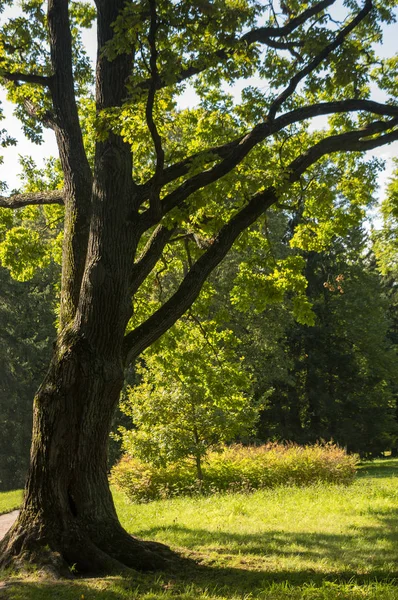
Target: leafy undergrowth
[323,542]
[10,501]
[237,468]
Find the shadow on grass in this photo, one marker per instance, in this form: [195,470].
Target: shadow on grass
[232,565]
[367,554]
[385,467]
[204,582]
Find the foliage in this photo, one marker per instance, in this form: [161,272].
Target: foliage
[26,333]
[194,394]
[237,468]
[343,370]
[386,239]
[31,238]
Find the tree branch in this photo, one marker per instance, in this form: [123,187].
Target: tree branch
[74,162]
[291,47]
[154,198]
[318,59]
[359,140]
[32,199]
[47,119]
[261,35]
[27,78]
[181,168]
[150,256]
[149,331]
[234,152]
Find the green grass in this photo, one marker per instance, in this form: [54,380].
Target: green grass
[320,543]
[10,501]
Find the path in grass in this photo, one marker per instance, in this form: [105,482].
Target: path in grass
[318,543]
[6,521]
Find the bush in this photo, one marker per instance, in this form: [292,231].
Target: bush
[237,468]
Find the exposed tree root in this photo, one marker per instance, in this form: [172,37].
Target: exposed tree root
[73,550]
[135,553]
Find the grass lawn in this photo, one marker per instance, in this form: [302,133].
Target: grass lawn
[10,501]
[317,543]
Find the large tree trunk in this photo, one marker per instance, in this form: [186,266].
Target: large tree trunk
[68,511]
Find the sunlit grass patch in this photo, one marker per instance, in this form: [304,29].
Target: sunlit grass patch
[322,542]
[10,501]
[322,530]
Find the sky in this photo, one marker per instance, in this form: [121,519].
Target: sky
[10,168]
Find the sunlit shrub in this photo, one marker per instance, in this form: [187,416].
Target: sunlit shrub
[237,468]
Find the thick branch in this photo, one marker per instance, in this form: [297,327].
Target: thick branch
[75,165]
[318,59]
[69,136]
[32,199]
[150,256]
[47,119]
[359,140]
[142,337]
[181,168]
[149,331]
[27,78]
[157,141]
[234,152]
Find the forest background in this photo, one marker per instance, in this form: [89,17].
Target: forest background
[324,369]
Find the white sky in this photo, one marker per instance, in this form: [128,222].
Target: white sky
[10,168]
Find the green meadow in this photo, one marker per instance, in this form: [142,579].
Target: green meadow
[319,542]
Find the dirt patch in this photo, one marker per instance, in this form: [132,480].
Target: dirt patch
[6,521]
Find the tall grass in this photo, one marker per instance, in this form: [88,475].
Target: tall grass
[237,468]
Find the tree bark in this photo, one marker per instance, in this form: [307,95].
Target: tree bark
[68,516]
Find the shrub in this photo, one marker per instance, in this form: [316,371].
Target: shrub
[237,468]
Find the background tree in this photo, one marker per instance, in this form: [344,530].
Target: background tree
[27,330]
[344,367]
[26,334]
[138,173]
[193,395]
[386,251]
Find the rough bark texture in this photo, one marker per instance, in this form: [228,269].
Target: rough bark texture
[68,516]
[68,511]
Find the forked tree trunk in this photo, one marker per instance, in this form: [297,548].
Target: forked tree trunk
[68,509]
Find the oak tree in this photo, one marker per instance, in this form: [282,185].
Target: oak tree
[141,175]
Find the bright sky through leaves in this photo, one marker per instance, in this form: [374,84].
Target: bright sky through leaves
[10,168]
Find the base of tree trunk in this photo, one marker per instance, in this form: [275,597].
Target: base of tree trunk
[77,550]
